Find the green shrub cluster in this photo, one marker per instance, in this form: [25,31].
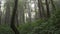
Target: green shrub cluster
[5,29]
[51,26]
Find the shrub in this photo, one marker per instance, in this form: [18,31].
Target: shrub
[5,29]
[51,26]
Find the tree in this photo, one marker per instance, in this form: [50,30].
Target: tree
[20,11]
[16,19]
[0,12]
[53,6]
[29,12]
[47,8]
[35,7]
[40,10]
[13,17]
[7,14]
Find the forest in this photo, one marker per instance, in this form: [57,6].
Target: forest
[29,16]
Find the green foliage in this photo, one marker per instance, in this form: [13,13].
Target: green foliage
[51,26]
[5,29]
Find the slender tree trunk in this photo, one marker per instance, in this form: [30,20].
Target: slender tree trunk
[0,16]
[14,28]
[40,10]
[7,14]
[0,12]
[29,12]
[47,7]
[21,12]
[36,12]
[16,19]
[53,6]
[21,16]
[42,7]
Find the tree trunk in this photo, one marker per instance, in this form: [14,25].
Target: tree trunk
[14,28]
[42,7]
[0,12]
[36,12]
[53,6]
[47,8]
[40,10]
[28,19]
[7,14]
[16,19]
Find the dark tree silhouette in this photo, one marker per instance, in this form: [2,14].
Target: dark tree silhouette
[53,6]
[39,6]
[13,17]
[0,12]
[7,14]
[47,7]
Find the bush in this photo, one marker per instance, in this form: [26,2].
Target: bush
[52,26]
[5,29]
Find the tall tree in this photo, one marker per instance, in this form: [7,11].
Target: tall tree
[16,19]
[39,6]
[7,13]
[0,12]
[42,7]
[21,11]
[47,8]
[52,3]
[35,7]
[13,17]
[29,12]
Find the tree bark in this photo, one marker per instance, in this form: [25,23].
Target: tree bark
[16,19]
[47,7]
[29,12]
[7,14]
[13,17]
[40,10]
[53,6]
[0,17]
